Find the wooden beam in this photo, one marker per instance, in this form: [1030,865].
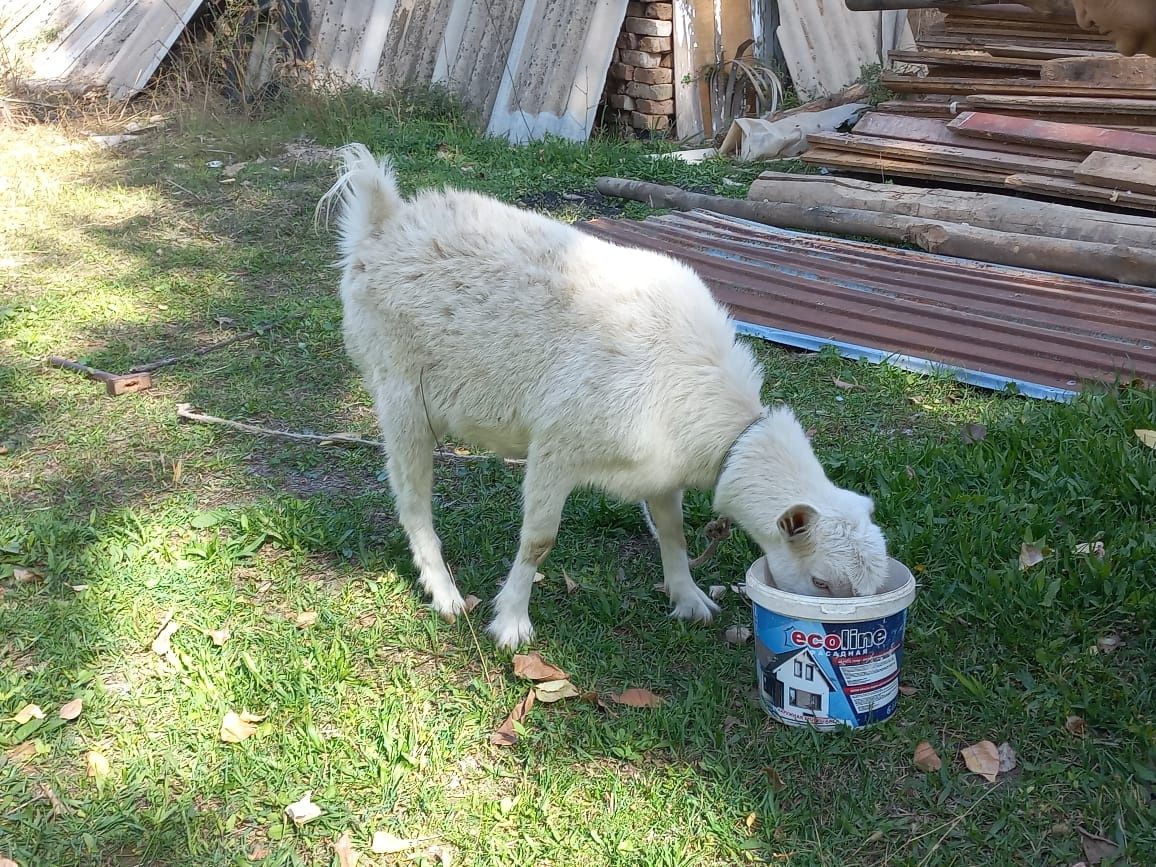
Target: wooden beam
[934,130]
[943,155]
[1072,189]
[1075,138]
[898,83]
[1118,172]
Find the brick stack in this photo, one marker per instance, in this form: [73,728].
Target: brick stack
[640,83]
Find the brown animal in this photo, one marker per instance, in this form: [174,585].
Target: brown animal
[1130,23]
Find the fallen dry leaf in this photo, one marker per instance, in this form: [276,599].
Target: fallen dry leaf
[533,667]
[539,577]
[25,576]
[1148,437]
[387,844]
[907,689]
[596,700]
[444,855]
[737,635]
[21,752]
[774,779]
[973,433]
[716,591]
[1076,726]
[752,822]
[571,585]
[1007,757]
[72,710]
[1091,549]
[926,758]
[236,727]
[303,811]
[470,603]
[551,691]
[505,735]
[97,764]
[220,636]
[45,792]
[638,697]
[233,169]
[162,644]
[26,713]
[982,759]
[347,856]
[1096,848]
[305,619]
[1109,643]
[846,386]
[1030,556]
[729,723]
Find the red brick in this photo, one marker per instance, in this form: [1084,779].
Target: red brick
[640,58]
[620,100]
[622,71]
[667,61]
[651,106]
[638,120]
[654,76]
[650,91]
[647,27]
[656,44]
[662,11]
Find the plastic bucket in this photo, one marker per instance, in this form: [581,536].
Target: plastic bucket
[829,662]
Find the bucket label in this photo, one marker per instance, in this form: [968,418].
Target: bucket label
[828,674]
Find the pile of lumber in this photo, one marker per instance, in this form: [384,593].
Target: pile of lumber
[1001,97]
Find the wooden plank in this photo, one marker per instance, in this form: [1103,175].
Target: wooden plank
[967,60]
[1063,188]
[991,41]
[884,166]
[934,130]
[943,155]
[1137,71]
[1080,105]
[1076,138]
[1118,172]
[898,83]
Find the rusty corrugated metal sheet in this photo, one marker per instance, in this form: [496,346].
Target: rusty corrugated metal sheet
[529,67]
[77,44]
[991,324]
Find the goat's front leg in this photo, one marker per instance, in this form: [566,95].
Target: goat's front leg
[544,493]
[690,603]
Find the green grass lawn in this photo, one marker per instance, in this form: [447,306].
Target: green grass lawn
[114,515]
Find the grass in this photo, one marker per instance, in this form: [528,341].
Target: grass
[383,711]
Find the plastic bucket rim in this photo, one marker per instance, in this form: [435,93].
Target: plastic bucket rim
[831,609]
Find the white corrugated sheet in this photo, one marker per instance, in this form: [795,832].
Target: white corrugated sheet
[826,45]
[529,67]
[78,44]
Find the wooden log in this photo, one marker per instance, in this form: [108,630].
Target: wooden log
[943,155]
[1081,258]
[1118,172]
[1076,138]
[993,211]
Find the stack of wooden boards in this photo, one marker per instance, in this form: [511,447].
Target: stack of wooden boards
[1008,99]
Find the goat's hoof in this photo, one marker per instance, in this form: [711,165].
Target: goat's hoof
[449,607]
[698,607]
[510,632]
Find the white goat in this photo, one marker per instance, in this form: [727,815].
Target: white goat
[601,365]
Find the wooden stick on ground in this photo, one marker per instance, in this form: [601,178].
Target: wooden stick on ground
[212,347]
[185,412]
[1079,258]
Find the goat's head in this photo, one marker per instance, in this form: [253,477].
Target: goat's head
[825,541]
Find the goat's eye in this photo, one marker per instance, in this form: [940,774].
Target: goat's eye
[822,585]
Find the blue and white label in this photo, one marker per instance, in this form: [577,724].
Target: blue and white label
[828,675]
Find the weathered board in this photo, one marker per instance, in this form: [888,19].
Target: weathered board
[932,130]
[1076,138]
[1118,172]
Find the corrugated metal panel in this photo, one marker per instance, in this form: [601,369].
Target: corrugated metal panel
[529,67]
[827,45]
[991,324]
[77,44]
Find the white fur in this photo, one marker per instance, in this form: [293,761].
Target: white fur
[601,365]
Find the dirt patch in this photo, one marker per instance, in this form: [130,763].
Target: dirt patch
[588,203]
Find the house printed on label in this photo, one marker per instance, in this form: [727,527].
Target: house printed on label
[799,684]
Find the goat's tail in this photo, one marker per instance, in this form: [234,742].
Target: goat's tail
[367,191]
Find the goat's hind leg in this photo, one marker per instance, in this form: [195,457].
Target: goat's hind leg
[410,446]
[664,513]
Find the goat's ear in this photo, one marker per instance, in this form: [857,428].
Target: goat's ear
[797,521]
